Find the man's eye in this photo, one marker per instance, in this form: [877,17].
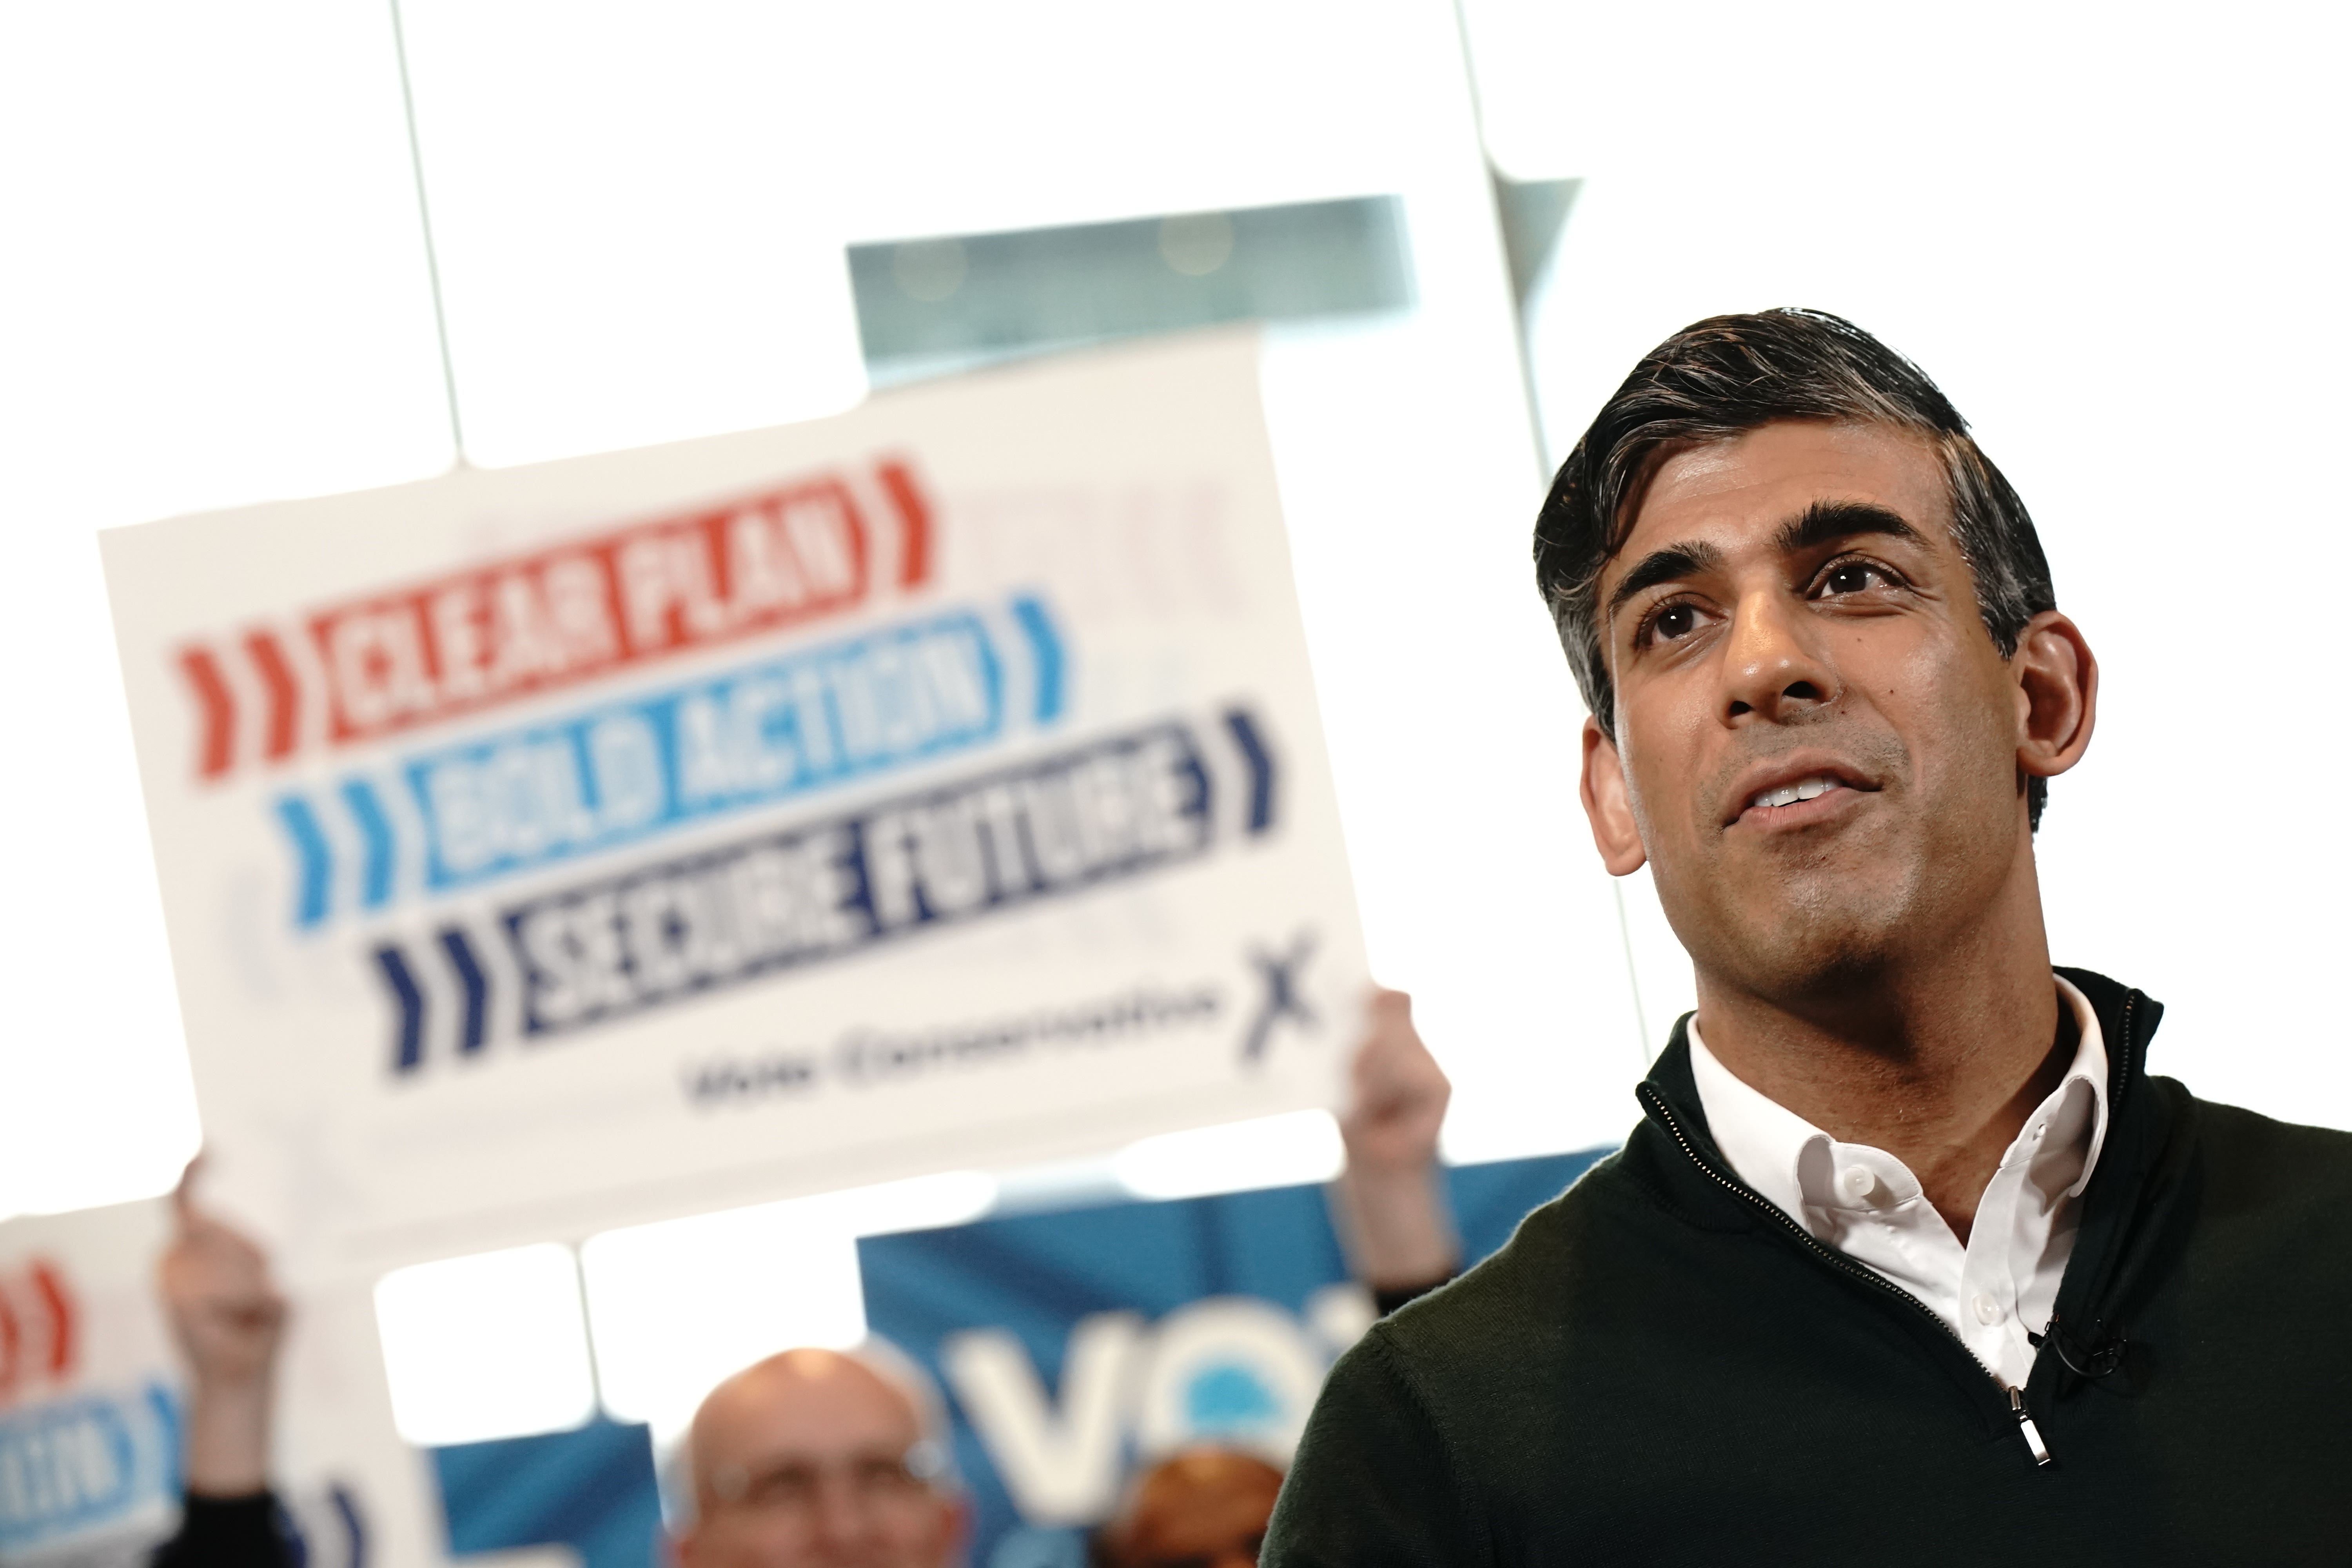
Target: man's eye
[790,1487]
[882,1475]
[1851,577]
[1673,621]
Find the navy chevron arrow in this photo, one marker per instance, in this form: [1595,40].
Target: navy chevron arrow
[408,1045]
[1252,745]
[460,951]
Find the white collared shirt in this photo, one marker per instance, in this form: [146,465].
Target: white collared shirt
[1867,1204]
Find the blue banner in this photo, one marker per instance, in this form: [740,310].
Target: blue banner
[1072,1345]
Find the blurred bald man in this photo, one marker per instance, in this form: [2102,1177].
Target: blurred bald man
[821,1459]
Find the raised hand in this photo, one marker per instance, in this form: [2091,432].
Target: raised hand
[1399,1092]
[1389,1201]
[228,1320]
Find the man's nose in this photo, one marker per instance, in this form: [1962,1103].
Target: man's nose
[1774,666]
[843,1515]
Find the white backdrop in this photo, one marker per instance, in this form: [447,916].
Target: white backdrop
[2111,233]
[2114,236]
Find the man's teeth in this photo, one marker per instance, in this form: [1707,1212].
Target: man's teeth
[1789,794]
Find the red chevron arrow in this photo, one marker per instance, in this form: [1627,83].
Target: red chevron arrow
[217,709]
[914,521]
[11,1339]
[51,1305]
[285,695]
[50,1285]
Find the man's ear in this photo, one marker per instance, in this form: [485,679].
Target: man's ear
[1609,806]
[2057,695]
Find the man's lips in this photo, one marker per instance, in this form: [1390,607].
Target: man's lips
[1796,791]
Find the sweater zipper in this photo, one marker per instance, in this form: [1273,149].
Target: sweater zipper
[1844,1265]
[2025,1424]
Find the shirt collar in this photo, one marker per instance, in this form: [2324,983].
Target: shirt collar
[1764,1140]
[1776,1150]
[2089,1071]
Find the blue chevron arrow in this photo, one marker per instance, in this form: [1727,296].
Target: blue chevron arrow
[1045,651]
[375,827]
[314,857]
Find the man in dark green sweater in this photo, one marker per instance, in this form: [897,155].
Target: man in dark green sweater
[1910,1259]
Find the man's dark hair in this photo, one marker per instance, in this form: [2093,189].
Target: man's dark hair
[1726,374]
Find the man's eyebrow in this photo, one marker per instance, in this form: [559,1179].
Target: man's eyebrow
[1827,522]
[1675,560]
[1823,522]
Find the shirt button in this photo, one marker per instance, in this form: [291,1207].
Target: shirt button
[1988,1311]
[1856,1181]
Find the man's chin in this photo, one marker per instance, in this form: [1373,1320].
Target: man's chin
[1814,947]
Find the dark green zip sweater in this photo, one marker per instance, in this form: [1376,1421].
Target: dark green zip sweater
[1662,1368]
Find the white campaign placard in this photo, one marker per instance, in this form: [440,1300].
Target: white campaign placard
[92,1409]
[554,848]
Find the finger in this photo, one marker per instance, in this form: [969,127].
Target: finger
[1373,1075]
[254,1312]
[1410,1081]
[1387,1014]
[1391,1045]
[228,1255]
[210,1255]
[183,1197]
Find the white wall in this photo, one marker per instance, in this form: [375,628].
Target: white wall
[279,340]
[213,291]
[2112,236]
[2115,236]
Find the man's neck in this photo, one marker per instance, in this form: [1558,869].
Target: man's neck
[1937,1060]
